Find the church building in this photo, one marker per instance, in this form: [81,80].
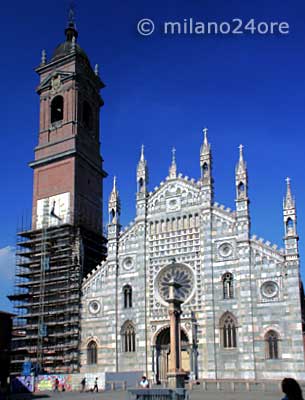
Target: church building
[242,297]
[92,304]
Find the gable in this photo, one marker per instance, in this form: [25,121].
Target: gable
[47,83]
[173,195]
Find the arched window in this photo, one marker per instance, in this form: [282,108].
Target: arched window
[92,353]
[205,170]
[227,284]
[289,225]
[241,188]
[228,326]
[112,215]
[141,185]
[57,109]
[87,115]
[272,345]
[127,293]
[128,337]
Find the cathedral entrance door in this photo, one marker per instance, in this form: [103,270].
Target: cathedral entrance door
[163,354]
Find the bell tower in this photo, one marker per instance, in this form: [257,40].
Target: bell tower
[65,241]
[68,168]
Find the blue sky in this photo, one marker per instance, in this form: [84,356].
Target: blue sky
[161,91]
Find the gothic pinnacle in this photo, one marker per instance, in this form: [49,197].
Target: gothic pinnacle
[43,57]
[241,156]
[241,166]
[205,133]
[289,200]
[142,153]
[205,148]
[173,167]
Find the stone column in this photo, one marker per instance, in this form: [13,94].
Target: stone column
[175,375]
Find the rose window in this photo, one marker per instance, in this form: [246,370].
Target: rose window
[94,307]
[269,289]
[182,275]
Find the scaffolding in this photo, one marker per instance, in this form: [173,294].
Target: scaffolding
[51,263]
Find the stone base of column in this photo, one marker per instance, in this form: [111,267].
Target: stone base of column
[176,379]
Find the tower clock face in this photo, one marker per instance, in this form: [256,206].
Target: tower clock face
[54,210]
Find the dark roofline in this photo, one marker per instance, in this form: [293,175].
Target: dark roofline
[7,313]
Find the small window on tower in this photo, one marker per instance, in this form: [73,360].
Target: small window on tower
[241,189]
[141,184]
[57,109]
[127,293]
[205,170]
[87,115]
[227,283]
[289,225]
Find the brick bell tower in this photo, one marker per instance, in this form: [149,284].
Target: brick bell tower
[66,239]
[68,166]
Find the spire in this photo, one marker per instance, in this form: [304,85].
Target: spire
[142,172]
[206,162]
[205,148]
[173,167]
[289,200]
[114,189]
[290,224]
[241,177]
[142,153]
[114,205]
[243,221]
[241,166]
[43,57]
[71,31]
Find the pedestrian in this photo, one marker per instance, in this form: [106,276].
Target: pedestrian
[56,385]
[83,384]
[95,389]
[144,382]
[292,389]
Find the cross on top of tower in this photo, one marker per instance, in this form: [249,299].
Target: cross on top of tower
[205,133]
[241,166]
[71,31]
[142,152]
[205,148]
[173,155]
[173,167]
[71,13]
[289,200]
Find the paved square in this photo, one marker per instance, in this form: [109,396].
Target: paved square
[121,395]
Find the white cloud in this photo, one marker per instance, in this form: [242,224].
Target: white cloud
[7,272]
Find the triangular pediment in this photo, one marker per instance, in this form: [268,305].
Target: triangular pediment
[175,192]
[60,76]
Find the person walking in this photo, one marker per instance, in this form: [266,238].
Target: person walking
[292,389]
[83,384]
[56,385]
[95,389]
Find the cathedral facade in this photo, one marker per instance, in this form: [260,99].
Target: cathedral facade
[89,312]
[242,297]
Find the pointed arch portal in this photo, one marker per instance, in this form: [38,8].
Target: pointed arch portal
[163,353]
